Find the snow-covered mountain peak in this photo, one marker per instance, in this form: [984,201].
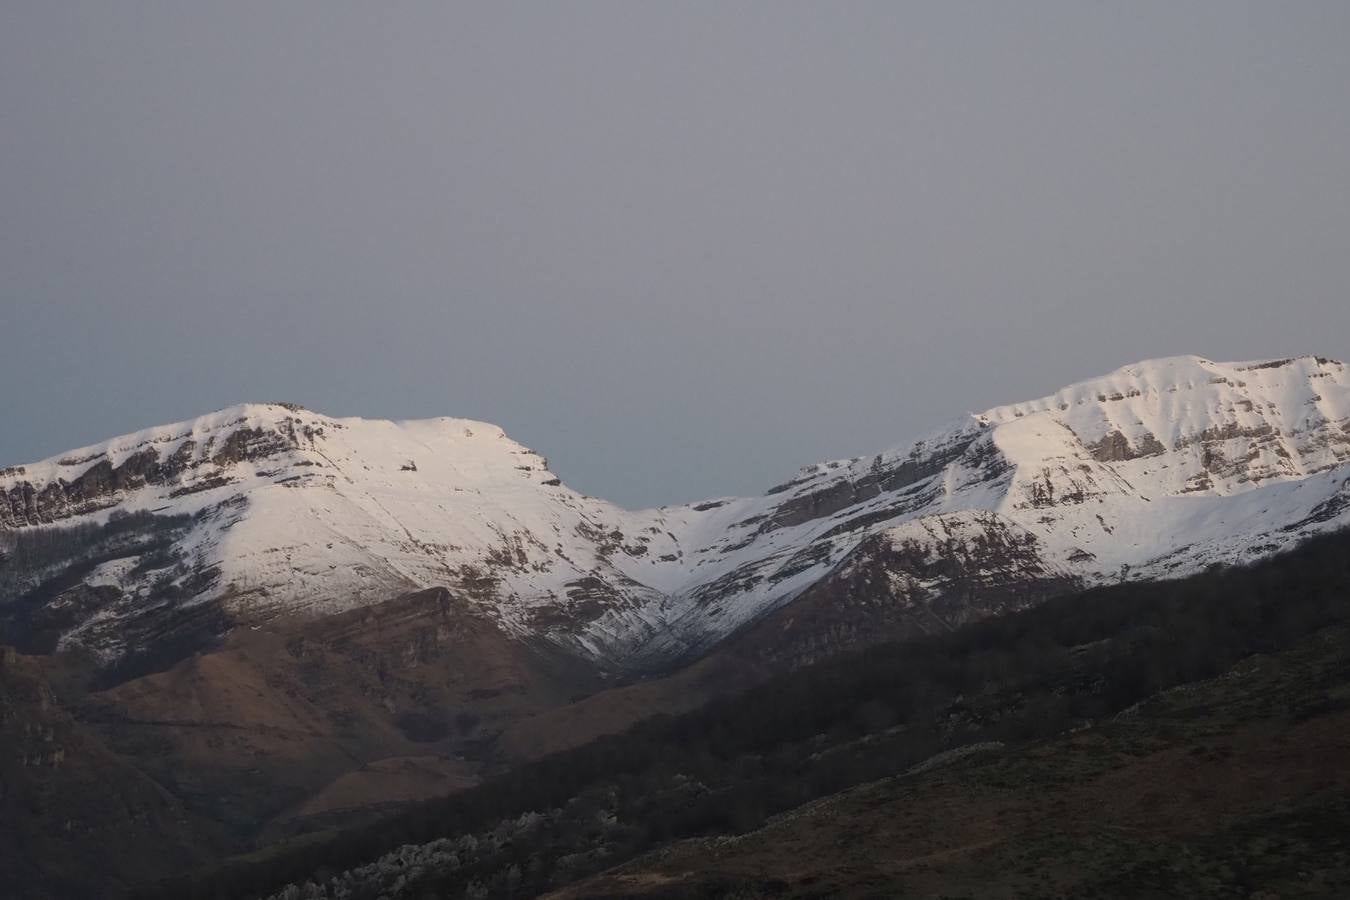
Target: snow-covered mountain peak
[249,440]
[262,510]
[1226,426]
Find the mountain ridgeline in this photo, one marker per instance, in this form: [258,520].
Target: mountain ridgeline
[260,512]
[267,626]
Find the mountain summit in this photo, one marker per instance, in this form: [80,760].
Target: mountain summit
[263,511]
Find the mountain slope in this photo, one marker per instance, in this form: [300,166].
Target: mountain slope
[1230,786]
[1114,658]
[282,717]
[76,820]
[1155,470]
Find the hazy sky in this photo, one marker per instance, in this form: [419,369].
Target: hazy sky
[680,248]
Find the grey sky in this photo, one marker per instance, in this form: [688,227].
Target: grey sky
[679,248]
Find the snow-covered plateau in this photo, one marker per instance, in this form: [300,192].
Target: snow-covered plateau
[1156,470]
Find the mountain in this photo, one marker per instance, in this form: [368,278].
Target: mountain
[1184,738]
[148,547]
[267,624]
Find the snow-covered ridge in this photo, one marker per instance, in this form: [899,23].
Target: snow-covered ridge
[1157,468]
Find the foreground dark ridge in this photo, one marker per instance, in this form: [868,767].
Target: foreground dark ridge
[722,770]
[1235,786]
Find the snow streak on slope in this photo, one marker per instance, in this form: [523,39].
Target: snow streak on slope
[1159,468]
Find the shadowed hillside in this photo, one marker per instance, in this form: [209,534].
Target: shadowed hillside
[1016,681]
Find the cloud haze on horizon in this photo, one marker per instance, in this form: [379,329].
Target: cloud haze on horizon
[680,249]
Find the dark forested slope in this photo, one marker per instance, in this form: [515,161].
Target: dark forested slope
[727,768]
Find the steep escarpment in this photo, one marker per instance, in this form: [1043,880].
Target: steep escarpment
[108,475]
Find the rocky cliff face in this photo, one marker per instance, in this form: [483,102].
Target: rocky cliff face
[259,512]
[925,576]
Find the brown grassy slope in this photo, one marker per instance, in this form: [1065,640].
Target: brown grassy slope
[391,781]
[293,713]
[612,711]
